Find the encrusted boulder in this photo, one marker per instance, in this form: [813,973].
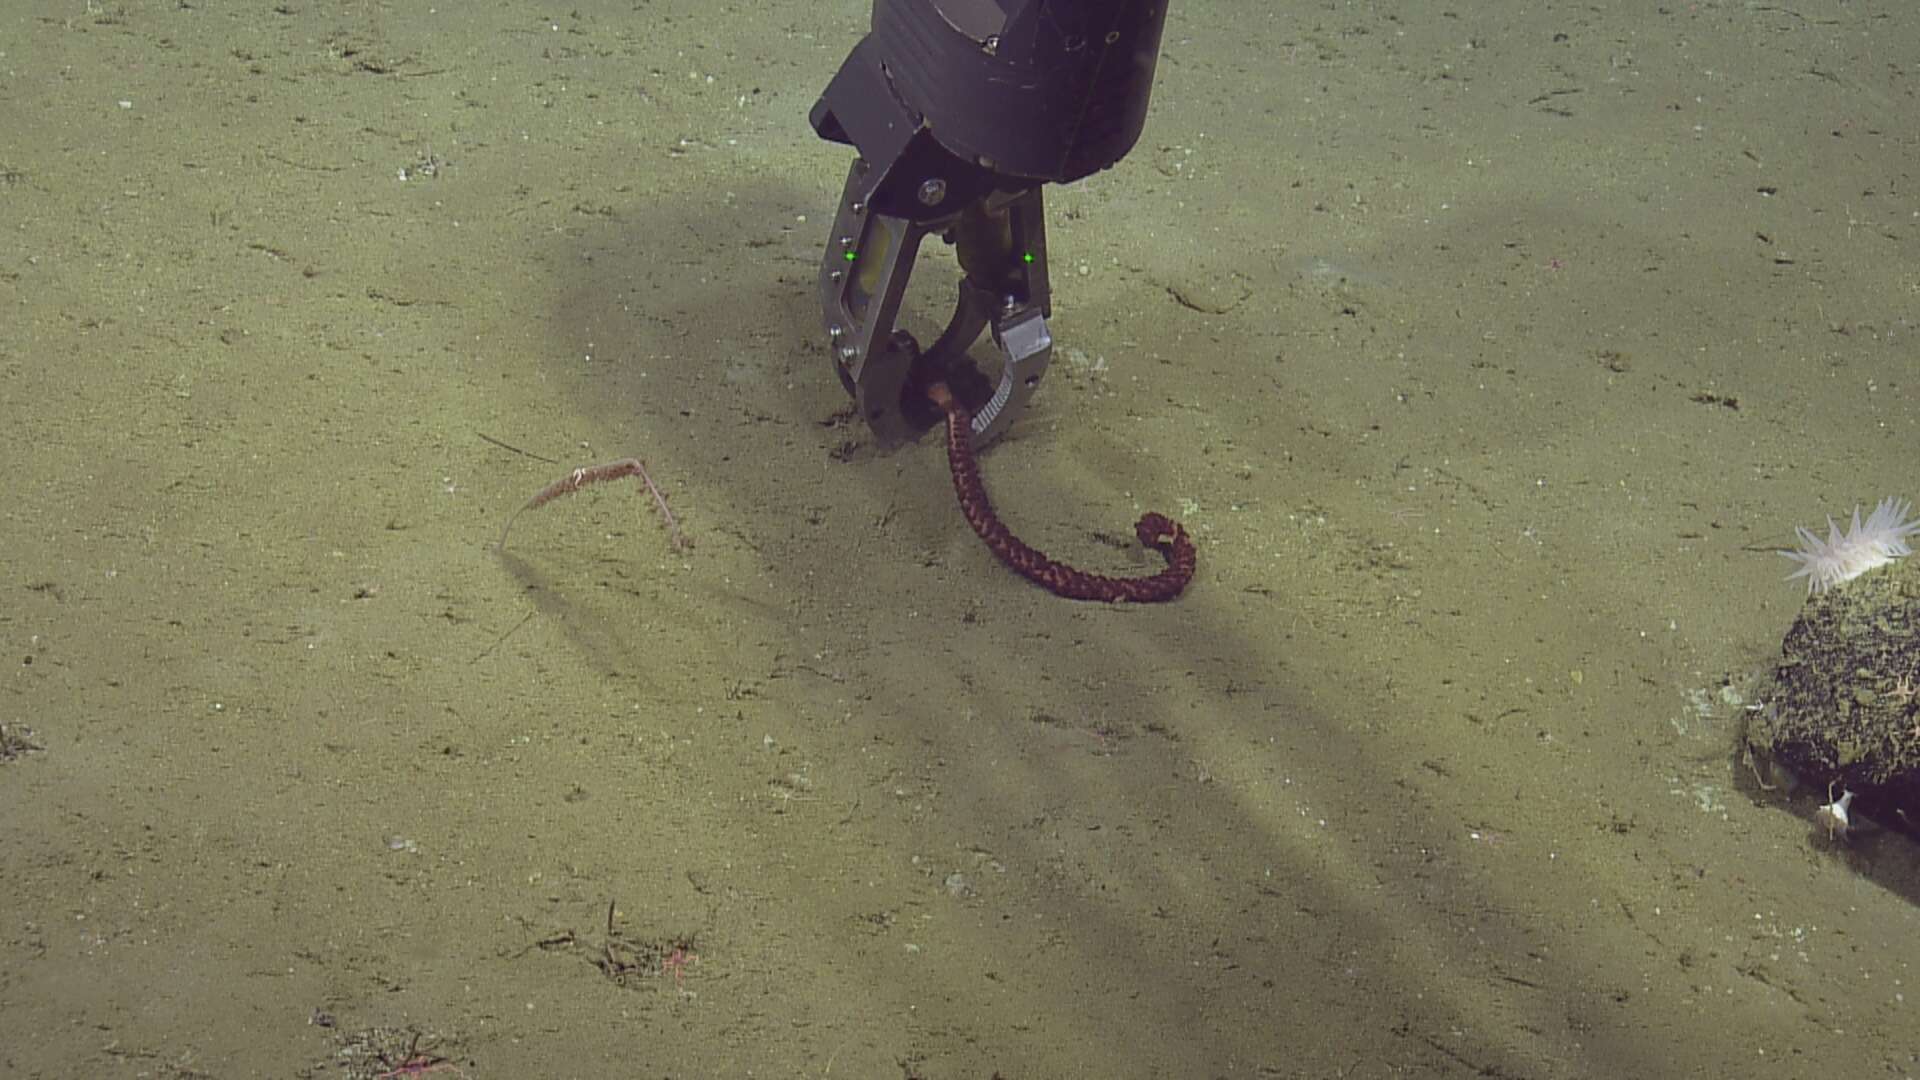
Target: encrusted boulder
[1842,707]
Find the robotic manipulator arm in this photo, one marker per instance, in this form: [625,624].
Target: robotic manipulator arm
[959,111]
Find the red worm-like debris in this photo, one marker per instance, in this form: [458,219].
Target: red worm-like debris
[1156,531]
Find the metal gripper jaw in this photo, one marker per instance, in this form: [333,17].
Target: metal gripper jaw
[1001,240]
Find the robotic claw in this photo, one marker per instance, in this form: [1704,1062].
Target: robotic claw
[960,110]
